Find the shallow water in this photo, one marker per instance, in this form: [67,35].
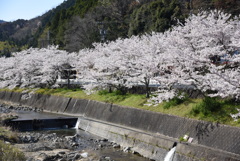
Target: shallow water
[25,115]
[86,140]
[87,144]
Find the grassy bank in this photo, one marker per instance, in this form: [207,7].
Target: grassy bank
[208,109]
[7,151]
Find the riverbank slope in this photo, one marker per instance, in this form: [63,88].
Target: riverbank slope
[148,133]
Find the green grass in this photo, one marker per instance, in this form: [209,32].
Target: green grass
[218,111]
[8,152]
[174,102]
[8,135]
[5,132]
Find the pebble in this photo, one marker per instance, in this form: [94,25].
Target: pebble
[116,146]
[126,149]
[84,155]
[6,142]
[62,152]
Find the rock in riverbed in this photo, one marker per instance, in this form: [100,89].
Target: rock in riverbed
[50,147]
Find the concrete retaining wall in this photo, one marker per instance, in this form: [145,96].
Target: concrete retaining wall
[210,140]
[153,145]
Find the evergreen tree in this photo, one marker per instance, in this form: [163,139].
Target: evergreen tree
[155,16]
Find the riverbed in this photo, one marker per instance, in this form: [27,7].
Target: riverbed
[66,144]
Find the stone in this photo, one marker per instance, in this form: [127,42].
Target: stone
[136,153]
[11,107]
[84,155]
[6,142]
[96,141]
[74,144]
[76,135]
[62,152]
[69,138]
[32,159]
[107,158]
[104,140]
[27,139]
[126,149]
[62,159]
[77,156]
[116,146]
[190,140]
[42,156]
[185,137]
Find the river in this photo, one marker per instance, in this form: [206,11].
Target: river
[88,146]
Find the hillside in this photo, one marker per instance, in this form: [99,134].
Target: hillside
[1,21]
[76,24]
[25,33]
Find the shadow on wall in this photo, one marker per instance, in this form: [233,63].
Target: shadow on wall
[204,129]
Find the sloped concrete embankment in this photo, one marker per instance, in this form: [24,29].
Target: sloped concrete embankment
[148,133]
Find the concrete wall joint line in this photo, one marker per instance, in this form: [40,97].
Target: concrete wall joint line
[70,99]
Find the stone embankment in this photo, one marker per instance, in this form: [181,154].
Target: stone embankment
[148,133]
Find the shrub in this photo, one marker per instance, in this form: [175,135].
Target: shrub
[10,153]
[8,135]
[207,106]
[107,92]
[103,92]
[174,102]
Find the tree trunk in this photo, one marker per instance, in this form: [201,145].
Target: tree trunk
[147,81]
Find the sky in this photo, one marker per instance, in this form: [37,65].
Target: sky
[11,10]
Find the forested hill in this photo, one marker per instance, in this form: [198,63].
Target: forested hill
[76,24]
[22,34]
[1,21]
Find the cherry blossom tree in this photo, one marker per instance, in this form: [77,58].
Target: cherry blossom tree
[34,67]
[192,45]
[199,54]
[105,66]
